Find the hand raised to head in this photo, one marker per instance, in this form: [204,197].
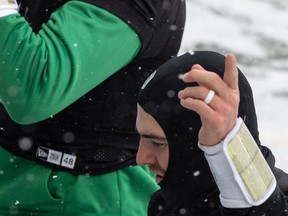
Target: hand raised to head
[219,112]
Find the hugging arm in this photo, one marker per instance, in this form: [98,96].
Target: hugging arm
[79,47]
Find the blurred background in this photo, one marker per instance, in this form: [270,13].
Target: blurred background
[256,31]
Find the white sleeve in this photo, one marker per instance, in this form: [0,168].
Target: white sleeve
[8,7]
[239,169]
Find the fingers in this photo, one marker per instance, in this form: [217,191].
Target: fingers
[219,115]
[193,98]
[197,67]
[197,93]
[205,78]
[198,106]
[231,72]
[211,80]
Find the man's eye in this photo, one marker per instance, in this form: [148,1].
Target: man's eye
[157,144]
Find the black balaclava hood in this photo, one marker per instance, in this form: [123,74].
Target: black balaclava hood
[188,177]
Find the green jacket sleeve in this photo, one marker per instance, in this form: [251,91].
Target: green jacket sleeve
[78,48]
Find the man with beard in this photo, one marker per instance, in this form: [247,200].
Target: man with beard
[199,136]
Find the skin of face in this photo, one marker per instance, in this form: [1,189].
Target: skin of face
[153,147]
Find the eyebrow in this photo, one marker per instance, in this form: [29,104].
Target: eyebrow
[150,136]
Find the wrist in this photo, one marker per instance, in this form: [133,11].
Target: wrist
[240,170]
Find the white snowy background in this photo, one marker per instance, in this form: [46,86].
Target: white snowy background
[257,32]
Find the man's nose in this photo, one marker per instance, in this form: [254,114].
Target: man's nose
[144,155]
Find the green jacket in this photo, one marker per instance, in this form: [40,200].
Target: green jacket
[52,69]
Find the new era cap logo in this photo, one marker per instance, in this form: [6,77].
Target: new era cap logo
[42,153]
[56,157]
